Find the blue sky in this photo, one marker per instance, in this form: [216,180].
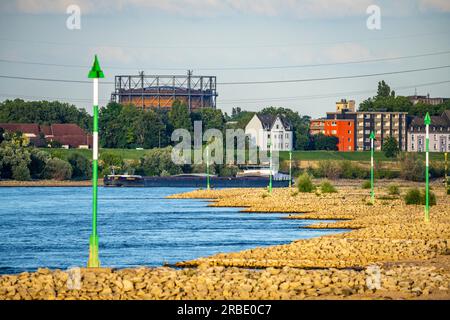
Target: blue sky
[159,36]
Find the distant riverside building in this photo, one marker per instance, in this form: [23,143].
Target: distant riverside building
[317,126]
[264,128]
[427,100]
[345,105]
[69,135]
[161,91]
[384,125]
[439,134]
[343,129]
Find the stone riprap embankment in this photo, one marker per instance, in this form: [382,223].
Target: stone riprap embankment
[390,253]
[205,282]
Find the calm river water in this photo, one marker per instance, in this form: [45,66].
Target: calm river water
[50,227]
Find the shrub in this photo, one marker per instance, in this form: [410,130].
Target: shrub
[38,160]
[21,172]
[227,170]
[57,169]
[157,160]
[110,159]
[393,190]
[411,167]
[415,196]
[339,169]
[366,185]
[327,187]
[437,169]
[81,166]
[329,169]
[390,147]
[305,184]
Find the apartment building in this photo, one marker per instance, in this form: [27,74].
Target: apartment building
[383,124]
[439,134]
[344,130]
[317,126]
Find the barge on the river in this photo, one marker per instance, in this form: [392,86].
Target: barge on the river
[195,181]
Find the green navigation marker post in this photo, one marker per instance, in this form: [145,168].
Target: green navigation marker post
[207,168]
[290,168]
[372,193]
[446,170]
[270,164]
[427,122]
[93,262]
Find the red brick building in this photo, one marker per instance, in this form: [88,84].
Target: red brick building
[69,135]
[344,130]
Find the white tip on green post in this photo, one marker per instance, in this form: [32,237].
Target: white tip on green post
[95,73]
[427,122]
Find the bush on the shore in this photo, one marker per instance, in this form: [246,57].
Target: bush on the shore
[227,170]
[366,185]
[21,172]
[411,167]
[111,160]
[38,159]
[415,196]
[304,183]
[157,160]
[57,169]
[336,169]
[327,187]
[81,166]
[393,190]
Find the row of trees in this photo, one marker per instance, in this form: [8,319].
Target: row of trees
[386,100]
[43,112]
[18,161]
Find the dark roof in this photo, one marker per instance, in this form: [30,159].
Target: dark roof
[436,121]
[29,128]
[67,129]
[268,120]
[66,133]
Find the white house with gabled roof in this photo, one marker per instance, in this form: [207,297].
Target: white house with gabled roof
[264,128]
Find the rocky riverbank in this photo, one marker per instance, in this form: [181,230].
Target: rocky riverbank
[390,253]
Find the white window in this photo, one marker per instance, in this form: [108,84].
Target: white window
[333,132]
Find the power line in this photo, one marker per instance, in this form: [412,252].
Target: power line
[126,46]
[239,68]
[331,78]
[250,100]
[248,82]
[328,95]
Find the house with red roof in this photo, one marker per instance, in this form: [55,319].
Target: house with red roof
[69,135]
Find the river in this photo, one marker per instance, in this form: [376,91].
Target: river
[50,227]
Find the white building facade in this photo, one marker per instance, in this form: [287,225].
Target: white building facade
[439,134]
[262,129]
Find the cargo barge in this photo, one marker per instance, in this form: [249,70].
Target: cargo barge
[195,181]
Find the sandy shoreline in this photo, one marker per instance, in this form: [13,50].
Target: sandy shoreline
[389,252]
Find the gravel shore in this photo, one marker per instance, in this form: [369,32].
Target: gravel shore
[389,253]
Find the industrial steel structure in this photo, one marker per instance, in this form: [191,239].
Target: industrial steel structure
[160,91]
